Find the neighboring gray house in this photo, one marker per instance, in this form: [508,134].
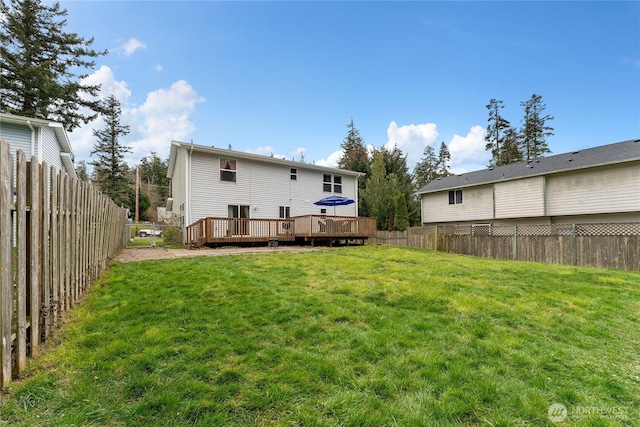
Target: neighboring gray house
[46,140]
[215,182]
[600,184]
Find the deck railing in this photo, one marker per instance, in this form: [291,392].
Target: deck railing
[325,226]
[245,230]
[238,230]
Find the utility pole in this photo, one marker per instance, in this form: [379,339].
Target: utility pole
[137,193]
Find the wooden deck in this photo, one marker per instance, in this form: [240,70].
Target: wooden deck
[307,228]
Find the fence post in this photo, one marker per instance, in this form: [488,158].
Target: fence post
[574,249]
[6,258]
[515,242]
[436,239]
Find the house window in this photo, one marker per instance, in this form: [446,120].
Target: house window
[323,211]
[331,183]
[227,170]
[294,174]
[337,184]
[285,212]
[326,182]
[455,197]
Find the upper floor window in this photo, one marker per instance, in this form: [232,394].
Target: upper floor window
[294,174]
[331,183]
[326,182]
[455,197]
[227,170]
[337,184]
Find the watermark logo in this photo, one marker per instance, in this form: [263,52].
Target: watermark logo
[557,412]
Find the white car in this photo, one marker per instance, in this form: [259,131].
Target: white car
[149,232]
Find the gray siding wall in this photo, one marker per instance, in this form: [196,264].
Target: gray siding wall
[263,186]
[606,189]
[477,205]
[520,198]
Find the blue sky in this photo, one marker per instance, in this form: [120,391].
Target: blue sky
[286,77]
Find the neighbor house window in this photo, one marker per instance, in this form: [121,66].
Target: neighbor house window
[294,174]
[323,211]
[337,184]
[455,197]
[326,182]
[285,212]
[227,170]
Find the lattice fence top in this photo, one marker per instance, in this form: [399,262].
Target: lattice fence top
[593,229]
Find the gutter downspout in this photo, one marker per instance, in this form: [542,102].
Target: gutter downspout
[188,198]
[33,138]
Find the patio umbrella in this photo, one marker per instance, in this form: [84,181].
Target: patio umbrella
[334,201]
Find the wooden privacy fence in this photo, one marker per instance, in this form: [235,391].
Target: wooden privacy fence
[609,245]
[56,235]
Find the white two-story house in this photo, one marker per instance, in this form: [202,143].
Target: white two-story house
[222,183]
[600,184]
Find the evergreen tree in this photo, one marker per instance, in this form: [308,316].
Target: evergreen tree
[395,164]
[511,151]
[109,168]
[81,171]
[426,170]
[377,193]
[401,219]
[444,157]
[38,63]
[535,130]
[153,171]
[356,158]
[495,131]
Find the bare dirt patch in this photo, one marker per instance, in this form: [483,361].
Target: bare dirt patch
[144,254]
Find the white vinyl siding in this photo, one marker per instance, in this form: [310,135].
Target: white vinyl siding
[477,204]
[605,189]
[262,186]
[50,148]
[520,198]
[18,137]
[179,182]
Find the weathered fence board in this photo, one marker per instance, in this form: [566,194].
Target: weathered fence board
[615,245]
[56,236]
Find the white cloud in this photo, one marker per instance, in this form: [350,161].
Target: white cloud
[332,160]
[164,116]
[411,139]
[131,45]
[159,68]
[468,152]
[268,151]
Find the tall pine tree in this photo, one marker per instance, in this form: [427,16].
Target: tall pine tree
[110,172]
[39,63]
[355,157]
[426,170]
[444,157]
[496,128]
[535,130]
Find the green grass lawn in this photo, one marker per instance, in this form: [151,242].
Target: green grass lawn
[356,336]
